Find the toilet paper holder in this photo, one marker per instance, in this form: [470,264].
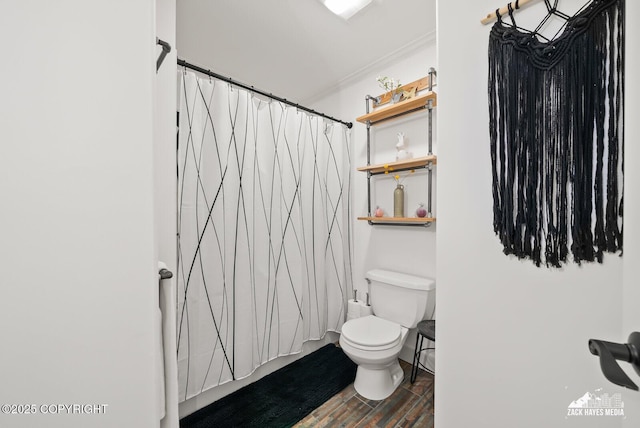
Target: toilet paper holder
[609,352]
[355,297]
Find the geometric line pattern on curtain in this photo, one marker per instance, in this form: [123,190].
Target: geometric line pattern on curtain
[264,235]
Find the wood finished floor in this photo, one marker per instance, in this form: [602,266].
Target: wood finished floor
[409,406]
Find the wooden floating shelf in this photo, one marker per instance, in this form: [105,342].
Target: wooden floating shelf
[400,165]
[413,87]
[399,219]
[382,113]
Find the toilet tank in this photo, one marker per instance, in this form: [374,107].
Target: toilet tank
[400,297]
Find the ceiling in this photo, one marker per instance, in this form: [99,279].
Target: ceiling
[296,49]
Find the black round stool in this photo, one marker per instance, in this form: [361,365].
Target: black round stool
[426,329]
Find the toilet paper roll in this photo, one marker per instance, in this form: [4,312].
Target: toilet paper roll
[352,317]
[365,310]
[353,308]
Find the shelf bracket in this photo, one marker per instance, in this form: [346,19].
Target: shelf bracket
[374,100]
[432,74]
[382,223]
[429,191]
[369,193]
[430,130]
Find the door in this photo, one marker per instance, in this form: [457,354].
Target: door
[631,274]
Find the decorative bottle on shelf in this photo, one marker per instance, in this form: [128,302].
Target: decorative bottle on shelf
[398,201]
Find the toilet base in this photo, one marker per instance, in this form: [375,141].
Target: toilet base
[378,384]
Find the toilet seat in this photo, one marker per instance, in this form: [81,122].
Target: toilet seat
[372,333]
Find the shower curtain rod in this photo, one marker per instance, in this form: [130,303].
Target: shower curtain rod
[184,63]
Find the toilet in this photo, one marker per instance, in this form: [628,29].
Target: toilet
[373,342]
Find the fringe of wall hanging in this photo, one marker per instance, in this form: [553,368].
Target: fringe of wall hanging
[556,133]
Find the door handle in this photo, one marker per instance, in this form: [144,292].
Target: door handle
[609,352]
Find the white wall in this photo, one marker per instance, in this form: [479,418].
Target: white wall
[165,136]
[405,249]
[512,338]
[631,291]
[78,277]
[165,194]
[632,175]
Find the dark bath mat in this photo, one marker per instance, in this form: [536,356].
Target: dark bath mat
[283,397]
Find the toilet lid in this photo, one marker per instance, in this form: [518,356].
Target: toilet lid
[371,331]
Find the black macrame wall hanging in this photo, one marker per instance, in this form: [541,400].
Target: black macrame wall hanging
[556,132]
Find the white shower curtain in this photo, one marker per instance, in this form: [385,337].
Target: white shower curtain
[263,231]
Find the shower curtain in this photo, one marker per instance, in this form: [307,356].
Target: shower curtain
[263,231]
